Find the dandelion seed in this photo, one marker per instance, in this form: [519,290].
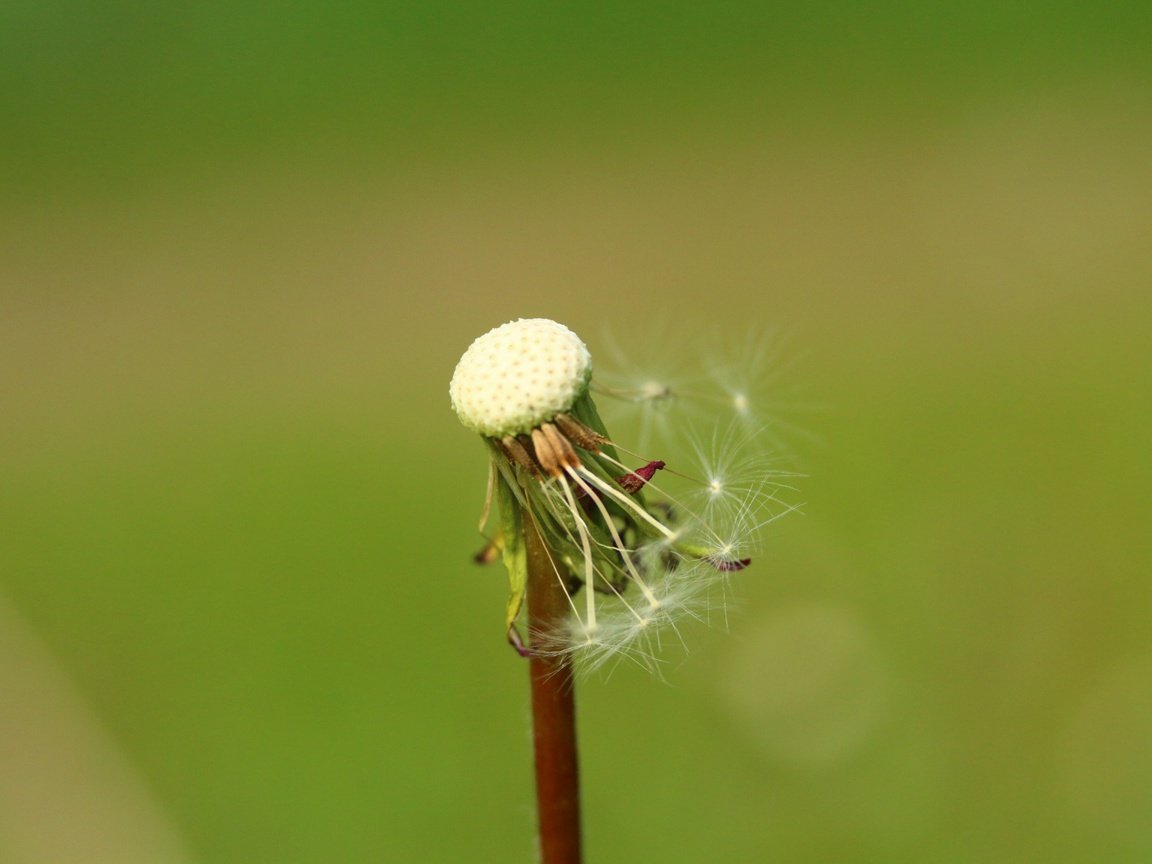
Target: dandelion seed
[643,553]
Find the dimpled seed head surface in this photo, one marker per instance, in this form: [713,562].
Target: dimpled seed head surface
[518,376]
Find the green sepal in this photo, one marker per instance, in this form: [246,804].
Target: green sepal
[514,552]
[584,410]
[693,550]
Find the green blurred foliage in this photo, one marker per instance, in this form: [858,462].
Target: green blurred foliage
[243,246]
[110,93]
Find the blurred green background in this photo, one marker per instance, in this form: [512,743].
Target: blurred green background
[242,246]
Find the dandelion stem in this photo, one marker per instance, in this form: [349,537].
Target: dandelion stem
[553,711]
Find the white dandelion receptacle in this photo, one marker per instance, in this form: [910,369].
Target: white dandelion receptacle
[519,375]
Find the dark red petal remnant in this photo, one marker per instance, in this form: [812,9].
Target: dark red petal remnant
[728,565]
[633,482]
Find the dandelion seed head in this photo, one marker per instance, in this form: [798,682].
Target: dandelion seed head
[519,375]
[638,544]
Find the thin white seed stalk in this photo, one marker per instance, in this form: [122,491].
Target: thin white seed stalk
[559,575]
[620,547]
[674,500]
[585,542]
[629,503]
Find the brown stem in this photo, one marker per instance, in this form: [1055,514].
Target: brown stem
[553,713]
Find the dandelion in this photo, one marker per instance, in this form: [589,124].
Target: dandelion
[629,568]
[606,554]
